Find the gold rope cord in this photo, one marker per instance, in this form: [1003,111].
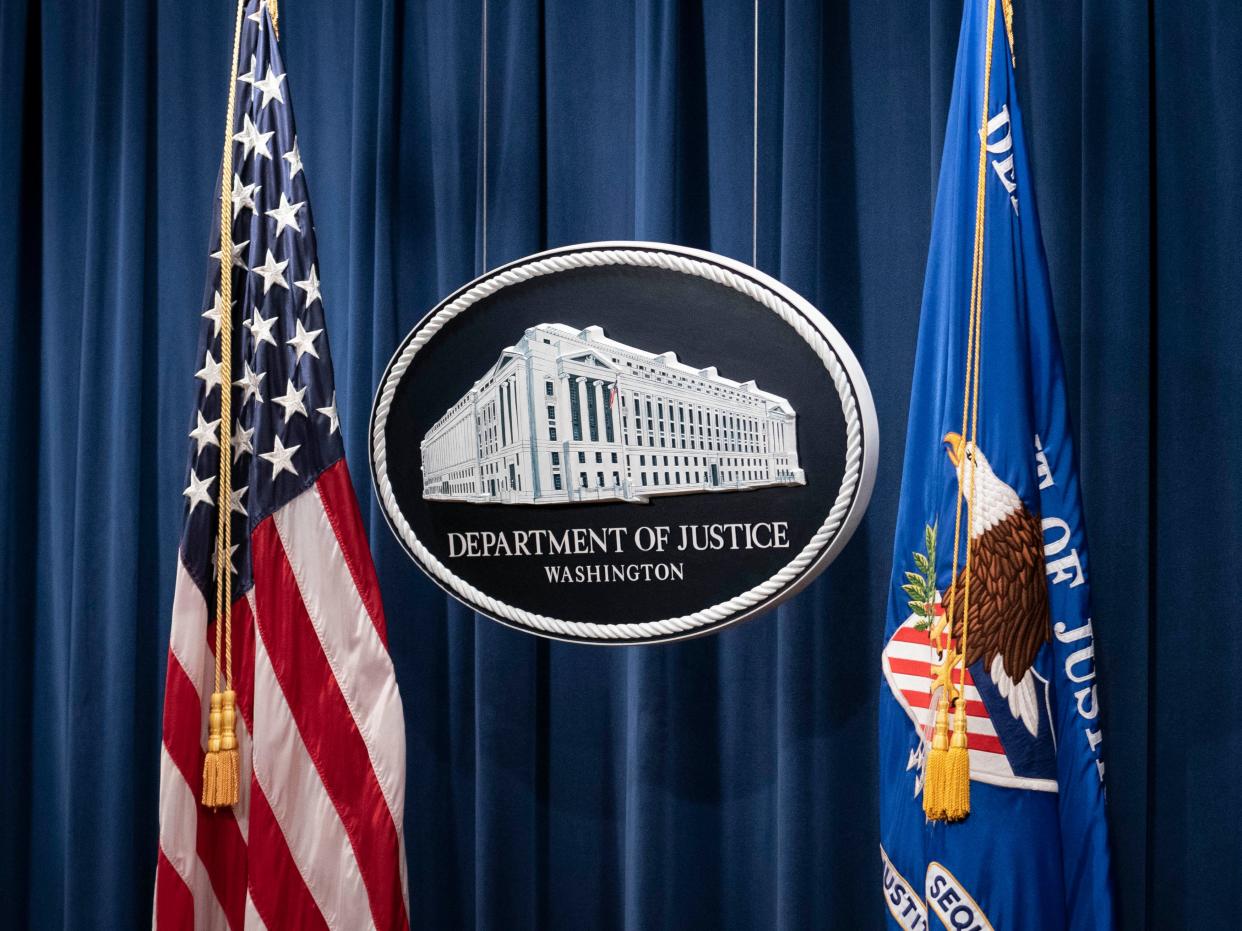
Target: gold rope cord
[946,793]
[220,765]
[976,301]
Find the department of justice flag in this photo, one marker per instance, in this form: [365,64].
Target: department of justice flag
[988,663]
[315,839]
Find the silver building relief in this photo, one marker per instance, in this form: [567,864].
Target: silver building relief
[568,415]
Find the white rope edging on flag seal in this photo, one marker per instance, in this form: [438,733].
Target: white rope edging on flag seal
[647,629]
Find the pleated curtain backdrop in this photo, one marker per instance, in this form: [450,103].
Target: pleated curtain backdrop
[727,782]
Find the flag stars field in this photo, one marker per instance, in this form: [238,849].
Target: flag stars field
[291,400]
[281,457]
[206,433]
[286,215]
[238,249]
[248,77]
[303,341]
[310,286]
[294,158]
[209,373]
[252,140]
[212,313]
[270,88]
[272,272]
[240,441]
[334,423]
[244,195]
[251,383]
[261,329]
[197,491]
[232,562]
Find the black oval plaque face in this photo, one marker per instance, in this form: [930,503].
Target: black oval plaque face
[623,443]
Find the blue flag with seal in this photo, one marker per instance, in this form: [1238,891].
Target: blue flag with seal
[991,755]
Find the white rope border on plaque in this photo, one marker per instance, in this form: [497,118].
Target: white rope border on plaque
[646,629]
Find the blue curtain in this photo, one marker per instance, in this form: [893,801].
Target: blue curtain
[727,782]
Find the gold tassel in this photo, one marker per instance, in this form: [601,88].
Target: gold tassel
[230,786]
[221,768]
[211,762]
[957,770]
[935,773]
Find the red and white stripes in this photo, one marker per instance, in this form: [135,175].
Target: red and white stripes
[316,840]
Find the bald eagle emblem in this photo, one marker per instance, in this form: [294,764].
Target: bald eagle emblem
[1009,619]
[1007,699]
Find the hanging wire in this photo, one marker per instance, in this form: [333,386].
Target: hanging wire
[483,142]
[754,143]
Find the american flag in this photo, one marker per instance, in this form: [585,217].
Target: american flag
[316,838]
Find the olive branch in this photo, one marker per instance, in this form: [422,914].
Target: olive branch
[920,586]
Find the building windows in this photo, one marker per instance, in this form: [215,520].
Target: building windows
[556,458]
[549,389]
[616,480]
[599,477]
[556,480]
[643,476]
[512,419]
[599,457]
[592,414]
[581,456]
[552,434]
[614,457]
[608,413]
[551,413]
[575,408]
[582,477]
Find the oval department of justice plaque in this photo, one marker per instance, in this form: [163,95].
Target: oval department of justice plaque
[623,443]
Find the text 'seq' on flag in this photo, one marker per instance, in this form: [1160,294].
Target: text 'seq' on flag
[316,831]
[992,772]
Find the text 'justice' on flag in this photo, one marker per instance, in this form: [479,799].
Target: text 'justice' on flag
[283,762]
[991,754]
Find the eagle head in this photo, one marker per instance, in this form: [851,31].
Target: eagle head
[993,499]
